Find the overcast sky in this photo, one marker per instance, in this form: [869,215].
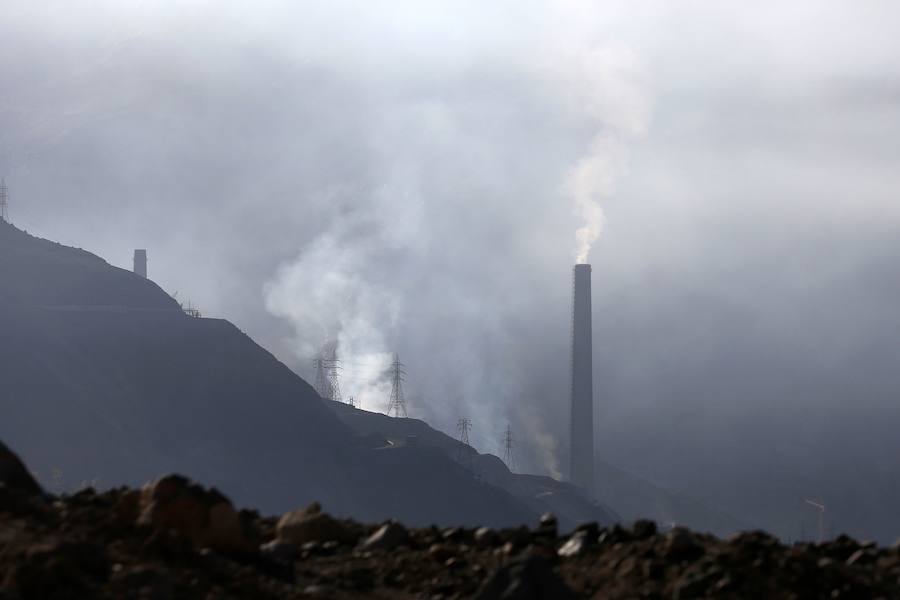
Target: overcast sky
[409,177]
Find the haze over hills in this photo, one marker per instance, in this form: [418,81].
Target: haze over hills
[413,179]
[631,497]
[106,381]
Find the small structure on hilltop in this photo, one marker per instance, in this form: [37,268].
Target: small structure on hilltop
[140,263]
[4,201]
[191,310]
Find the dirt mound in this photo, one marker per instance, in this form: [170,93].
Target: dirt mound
[98,545]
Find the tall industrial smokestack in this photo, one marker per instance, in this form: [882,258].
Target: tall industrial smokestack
[581,451]
[140,263]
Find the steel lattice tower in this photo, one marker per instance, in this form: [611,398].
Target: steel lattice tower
[463,426]
[508,446]
[323,387]
[464,453]
[397,404]
[4,201]
[334,367]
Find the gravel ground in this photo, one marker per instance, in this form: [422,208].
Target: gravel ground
[111,545]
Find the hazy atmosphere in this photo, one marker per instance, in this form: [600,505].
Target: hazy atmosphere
[420,177]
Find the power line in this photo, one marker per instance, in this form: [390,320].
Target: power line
[373,365]
[360,378]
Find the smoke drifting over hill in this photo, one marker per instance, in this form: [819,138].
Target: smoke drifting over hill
[438,242]
[404,178]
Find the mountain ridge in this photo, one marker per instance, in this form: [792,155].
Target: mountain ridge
[107,381]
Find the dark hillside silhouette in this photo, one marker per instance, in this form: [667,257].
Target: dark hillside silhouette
[105,380]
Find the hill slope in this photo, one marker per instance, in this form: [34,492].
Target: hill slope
[540,493]
[103,378]
[621,495]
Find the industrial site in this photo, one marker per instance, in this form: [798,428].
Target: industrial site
[555,299]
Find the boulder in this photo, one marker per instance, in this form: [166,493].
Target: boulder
[643,529]
[681,545]
[527,578]
[203,516]
[575,545]
[56,568]
[310,524]
[14,475]
[548,525]
[486,537]
[279,551]
[387,537]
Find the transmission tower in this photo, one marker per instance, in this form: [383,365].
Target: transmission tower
[323,387]
[465,450]
[334,367]
[508,446]
[397,404]
[463,426]
[4,201]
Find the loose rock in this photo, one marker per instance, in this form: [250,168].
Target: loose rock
[642,529]
[87,545]
[389,536]
[680,544]
[485,537]
[575,545]
[311,525]
[13,473]
[528,578]
[204,516]
[547,525]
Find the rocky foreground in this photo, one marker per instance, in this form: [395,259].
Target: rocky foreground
[176,539]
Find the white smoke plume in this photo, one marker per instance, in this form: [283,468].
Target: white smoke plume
[545,443]
[325,296]
[608,90]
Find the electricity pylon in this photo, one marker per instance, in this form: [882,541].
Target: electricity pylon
[323,388]
[397,404]
[334,367]
[507,447]
[328,383]
[465,450]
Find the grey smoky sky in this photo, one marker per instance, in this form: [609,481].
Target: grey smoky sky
[398,176]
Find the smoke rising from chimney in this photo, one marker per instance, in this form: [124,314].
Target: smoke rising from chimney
[610,95]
